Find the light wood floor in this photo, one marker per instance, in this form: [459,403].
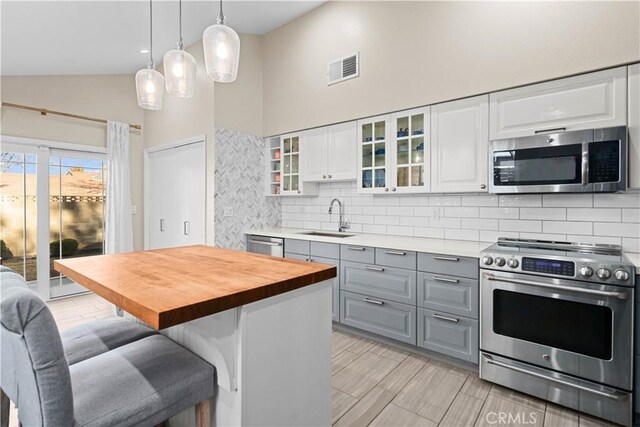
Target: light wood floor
[379,385]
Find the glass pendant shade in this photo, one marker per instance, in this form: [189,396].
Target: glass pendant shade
[150,89]
[221,52]
[179,73]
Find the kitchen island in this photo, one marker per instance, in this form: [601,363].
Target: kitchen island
[254,317]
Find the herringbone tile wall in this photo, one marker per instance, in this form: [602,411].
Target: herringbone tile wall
[239,184]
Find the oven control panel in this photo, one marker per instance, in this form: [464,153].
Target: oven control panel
[584,270]
[549,266]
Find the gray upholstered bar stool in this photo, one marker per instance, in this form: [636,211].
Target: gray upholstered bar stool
[138,384]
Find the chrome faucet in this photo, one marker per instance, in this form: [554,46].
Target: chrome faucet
[342,224]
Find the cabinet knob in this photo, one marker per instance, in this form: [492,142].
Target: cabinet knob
[386,189]
[298,191]
[393,189]
[483,186]
[329,176]
[324,176]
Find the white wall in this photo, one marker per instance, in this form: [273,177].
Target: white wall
[597,218]
[419,53]
[110,97]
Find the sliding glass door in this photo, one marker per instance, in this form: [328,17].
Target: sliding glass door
[52,207]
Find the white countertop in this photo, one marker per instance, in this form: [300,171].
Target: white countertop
[418,244]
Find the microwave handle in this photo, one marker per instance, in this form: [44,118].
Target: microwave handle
[585,163]
[538,132]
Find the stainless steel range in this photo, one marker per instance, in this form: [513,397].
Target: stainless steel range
[557,323]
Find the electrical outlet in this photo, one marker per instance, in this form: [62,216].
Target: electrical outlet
[228,211]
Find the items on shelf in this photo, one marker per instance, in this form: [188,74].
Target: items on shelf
[418,132]
[380,151]
[278,178]
[368,139]
[276,155]
[379,138]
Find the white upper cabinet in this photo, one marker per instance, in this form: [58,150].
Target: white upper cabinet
[342,149]
[634,126]
[292,183]
[410,151]
[459,145]
[594,100]
[329,153]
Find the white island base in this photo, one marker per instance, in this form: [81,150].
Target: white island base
[272,359]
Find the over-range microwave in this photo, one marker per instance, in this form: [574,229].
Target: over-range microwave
[580,161]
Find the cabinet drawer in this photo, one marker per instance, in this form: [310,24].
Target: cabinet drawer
[394,284]
[396,258]
[357,253]
[448,334]
[296,246]
[335,287]
[449,265]
[325,250]
[386,318]
[450,294]
[301,257]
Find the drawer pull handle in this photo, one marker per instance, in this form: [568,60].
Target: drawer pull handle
[446,258]
[353,248]
[444,279]
[550,130]
[368,267]
[395,253]
[448,319]
[372,301]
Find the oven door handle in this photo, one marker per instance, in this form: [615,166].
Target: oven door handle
[619,295]
[613,396]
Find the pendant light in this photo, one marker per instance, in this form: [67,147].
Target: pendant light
[221,51]
[179,69]
[149,82]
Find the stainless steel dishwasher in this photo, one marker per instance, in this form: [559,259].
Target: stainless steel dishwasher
[265,245]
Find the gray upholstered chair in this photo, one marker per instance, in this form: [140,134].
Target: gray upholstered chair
[92,338]
[141,383]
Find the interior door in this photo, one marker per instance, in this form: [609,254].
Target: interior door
[194,221]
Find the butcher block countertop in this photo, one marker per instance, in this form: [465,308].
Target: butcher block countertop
[167,287]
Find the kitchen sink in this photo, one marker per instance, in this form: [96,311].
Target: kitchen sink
[326,234]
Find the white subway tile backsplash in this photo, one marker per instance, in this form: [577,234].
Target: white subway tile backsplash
[504,213]
[521,200]
[399,230]
[374,229]
[480,224]
[433,233]
[521,226]
[459,234]
[461,212]
[599,218]
[591,214]
[628,230]
[567,227]
[387,220]
[567,200]
[482,200]
[543,213]
[444,200]
[631,245]
[614,200]
[631,215]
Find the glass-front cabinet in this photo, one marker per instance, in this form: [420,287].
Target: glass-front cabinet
[393,153]
[290,164]
[410,149]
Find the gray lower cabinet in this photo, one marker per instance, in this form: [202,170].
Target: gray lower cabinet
[378,316]
[335,293]
[449,264]
[353,253]
[451,335]
[389,283]
[296,246]
[300,257]
[450,294]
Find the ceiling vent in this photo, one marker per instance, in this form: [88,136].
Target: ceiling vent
[343,69]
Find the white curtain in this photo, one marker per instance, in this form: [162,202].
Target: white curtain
[119,227]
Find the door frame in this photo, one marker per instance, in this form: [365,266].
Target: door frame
[42,148]
[162,147]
